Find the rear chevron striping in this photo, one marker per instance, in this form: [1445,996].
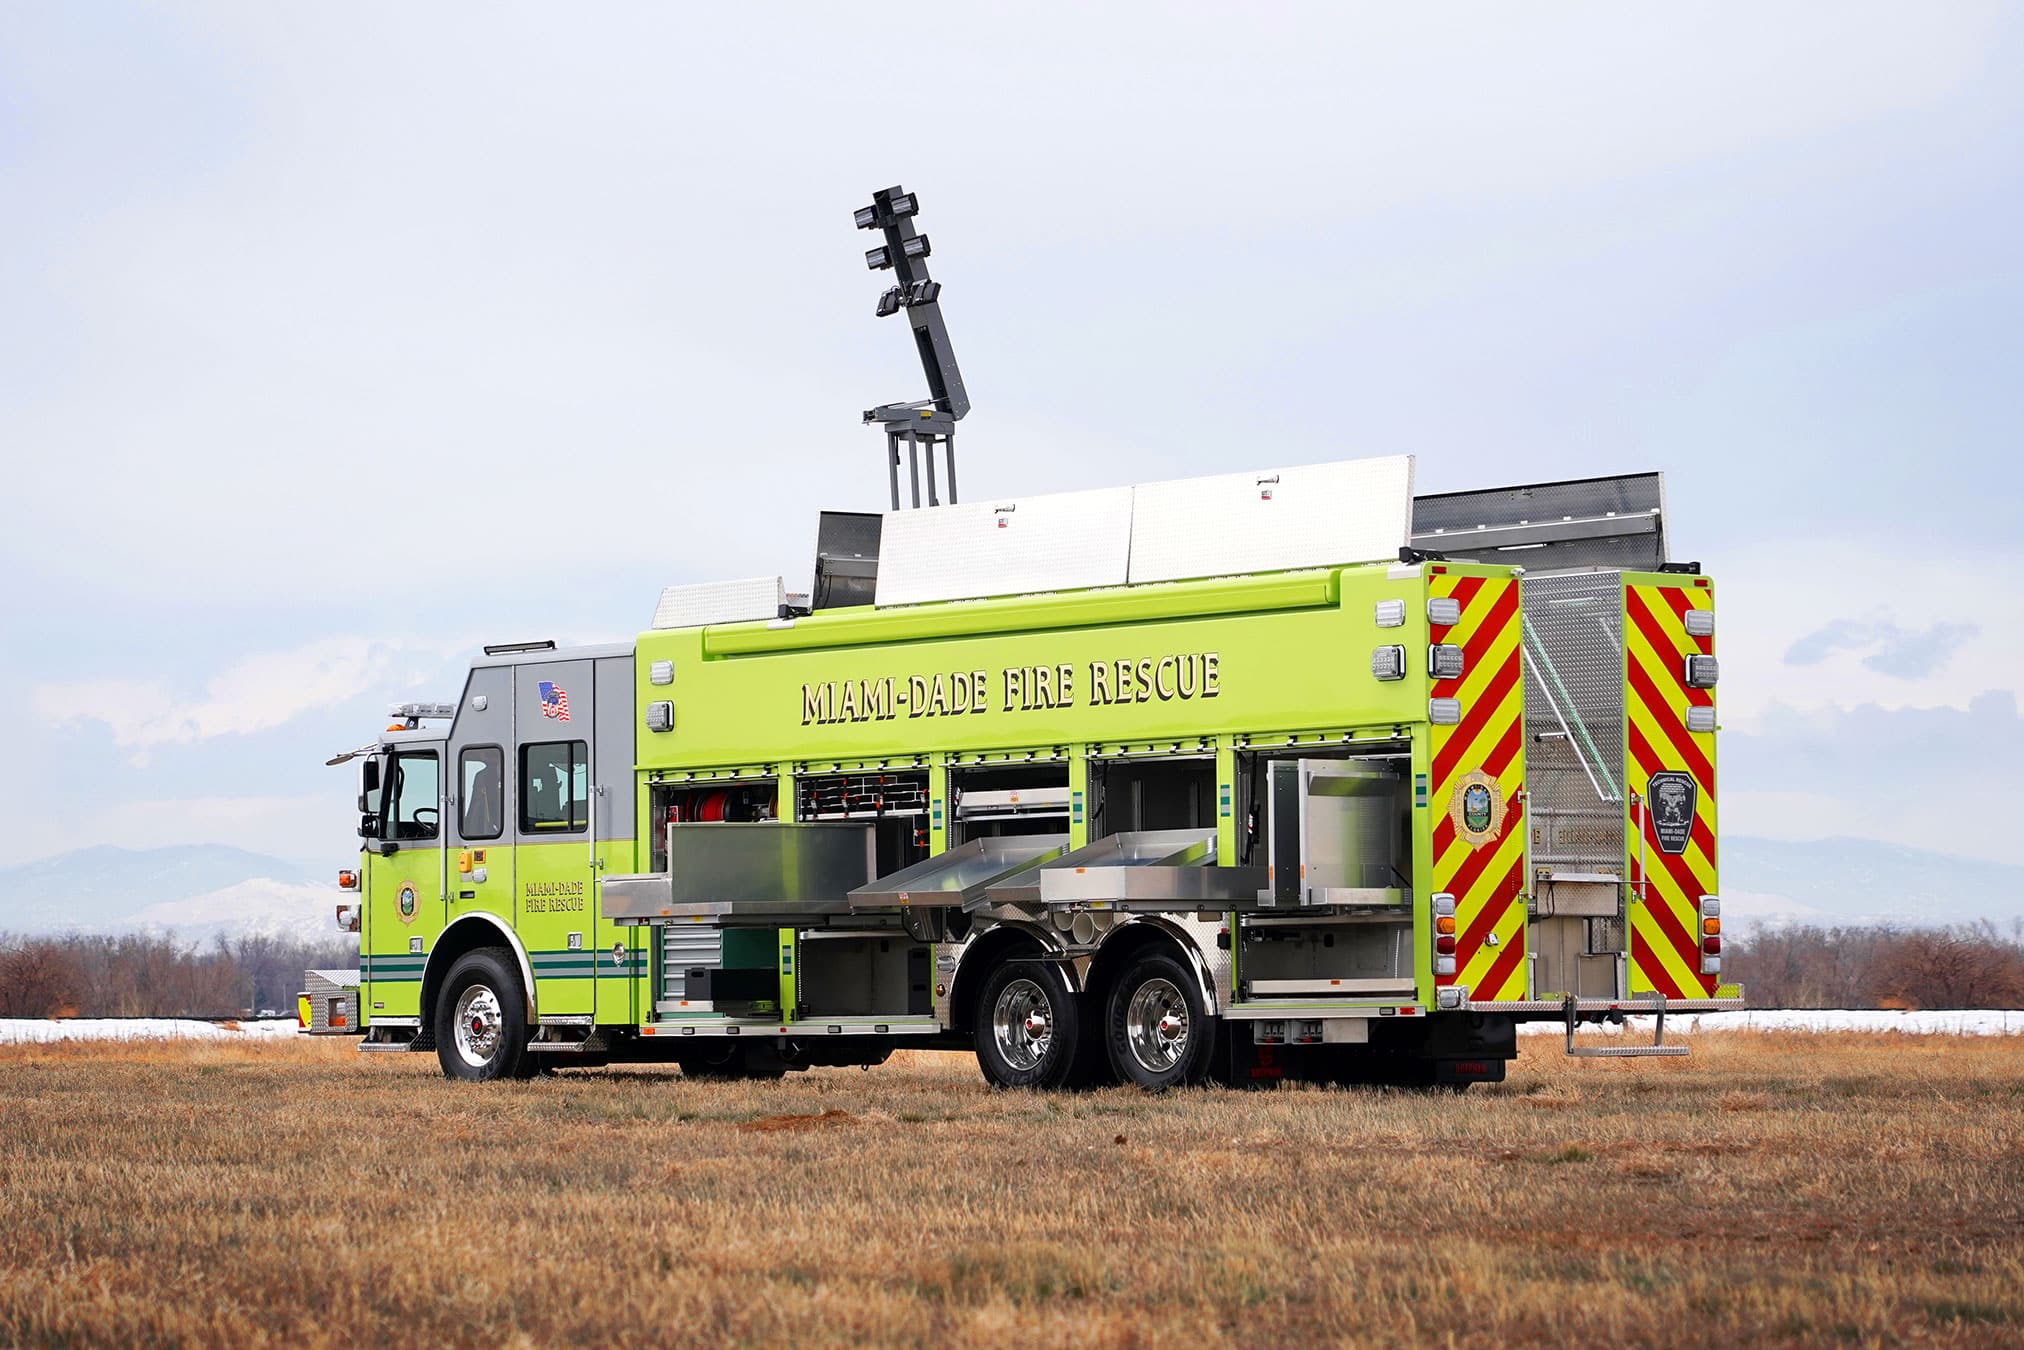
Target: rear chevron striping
[1466,876]
[1667,649]
[1672,724]
[1655,973]
[1486,921]
[1461,738]
[1665,926]
[1493,985]
[1484,871]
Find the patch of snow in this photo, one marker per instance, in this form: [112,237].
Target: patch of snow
[38,1031]
[1936,1022]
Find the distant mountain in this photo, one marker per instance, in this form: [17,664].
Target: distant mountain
[304,911]
[106,887]
[1864,881]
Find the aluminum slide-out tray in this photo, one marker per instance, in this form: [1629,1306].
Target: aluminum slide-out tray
[1136,869]
[747,872]
[960,875]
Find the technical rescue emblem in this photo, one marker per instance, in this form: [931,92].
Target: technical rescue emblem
[1671,796]
[1477,809]
[406,903]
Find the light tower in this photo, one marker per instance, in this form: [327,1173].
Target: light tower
[928,423]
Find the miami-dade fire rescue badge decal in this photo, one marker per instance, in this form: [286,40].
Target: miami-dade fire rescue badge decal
[406,903]
[1671,796]
[1477,809]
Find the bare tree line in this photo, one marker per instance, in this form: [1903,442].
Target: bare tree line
[134,975]
[1966,966]
[138,975]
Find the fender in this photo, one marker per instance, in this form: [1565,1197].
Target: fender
[433,973]
[1190,949]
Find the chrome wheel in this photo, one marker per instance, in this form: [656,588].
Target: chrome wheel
[1022,1022]
[1156,1025]
[480,1026]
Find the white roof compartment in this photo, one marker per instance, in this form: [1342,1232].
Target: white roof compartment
[1267,520]
[1272,520]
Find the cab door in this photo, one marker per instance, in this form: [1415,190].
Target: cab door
[482,799]
[555,830]
[404,882]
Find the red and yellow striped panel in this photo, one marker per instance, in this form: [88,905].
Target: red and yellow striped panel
[1665,925]
[1484,869]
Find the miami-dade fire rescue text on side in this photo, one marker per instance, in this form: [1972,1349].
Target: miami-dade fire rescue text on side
[552,897]
[1016,689]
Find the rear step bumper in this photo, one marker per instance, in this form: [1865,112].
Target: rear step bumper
[1658,1006]
[1625,1006]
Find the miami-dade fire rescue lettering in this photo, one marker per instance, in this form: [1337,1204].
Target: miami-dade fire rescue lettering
[1189,675]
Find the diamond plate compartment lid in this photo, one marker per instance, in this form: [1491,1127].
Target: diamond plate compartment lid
[711,602]
[1063,541]
[1269,520]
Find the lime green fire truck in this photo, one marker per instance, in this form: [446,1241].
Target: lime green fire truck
[1270,774]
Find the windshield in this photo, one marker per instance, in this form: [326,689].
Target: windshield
[413,796]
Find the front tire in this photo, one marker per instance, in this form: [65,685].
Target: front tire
[1028,1026]
[481,1018]
[1158,1030]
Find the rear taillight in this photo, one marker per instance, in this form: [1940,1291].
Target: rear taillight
[1711,935]
[1444,934]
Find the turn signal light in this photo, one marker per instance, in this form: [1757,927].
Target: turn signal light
[1711,926]
[1445,924]
[347,880]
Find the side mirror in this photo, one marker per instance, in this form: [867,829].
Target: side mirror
[368,784]
[368,826]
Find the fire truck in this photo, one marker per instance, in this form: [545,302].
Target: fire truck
[1285,773]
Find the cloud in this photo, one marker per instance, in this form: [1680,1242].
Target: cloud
[1904,653]
[261,692]
[1916,635]
[1931,778]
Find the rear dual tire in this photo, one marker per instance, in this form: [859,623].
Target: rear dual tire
[1157,1028]
[1154,1029]
[1028,1027]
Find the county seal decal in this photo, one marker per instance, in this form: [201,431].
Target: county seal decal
[405,902]
[1477,808]
[1673,796]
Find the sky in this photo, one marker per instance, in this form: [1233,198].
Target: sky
[337,341]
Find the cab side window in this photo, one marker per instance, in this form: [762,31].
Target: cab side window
[554,788]
[481,809]
[415,796]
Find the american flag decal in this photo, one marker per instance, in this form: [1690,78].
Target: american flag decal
[554,700]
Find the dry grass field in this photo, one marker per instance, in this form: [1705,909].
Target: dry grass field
[1769,1188]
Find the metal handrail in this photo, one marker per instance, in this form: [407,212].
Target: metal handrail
[1613,795]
